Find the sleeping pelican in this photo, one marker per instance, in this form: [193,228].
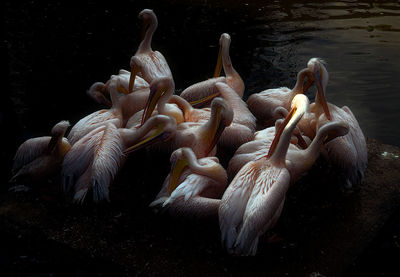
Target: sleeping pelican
[101,153]
[349,152]
[147,63]
[39,158]
[207,88]
[194,186]
[253,201]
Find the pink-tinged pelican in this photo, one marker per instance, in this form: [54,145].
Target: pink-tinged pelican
[201,136]
[263,104]
[194,186]
[204,89]
[40,158]
[253,201]
[100,92]
[147,63]
[243,124]
[96,158]
[102,117]
[349,152]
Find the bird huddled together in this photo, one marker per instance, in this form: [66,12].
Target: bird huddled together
[275,138]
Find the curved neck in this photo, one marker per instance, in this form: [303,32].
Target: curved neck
[209,170]
[145,44]
[182,104]
[298,87]
[279,153]
[132,135]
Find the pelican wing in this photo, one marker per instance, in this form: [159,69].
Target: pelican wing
[234,202]
[263,208]
[30,150]
[93,162]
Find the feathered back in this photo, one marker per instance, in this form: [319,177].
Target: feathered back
[92,163]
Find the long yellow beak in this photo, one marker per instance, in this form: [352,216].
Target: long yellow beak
[216,131]
[203,101]
[134,72]
[177,167]
[278,134]
[159,134]
[321,93]
[218,67]
[154,96]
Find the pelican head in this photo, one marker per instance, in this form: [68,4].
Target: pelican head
[147,16]
[157,128]
[299,106]
[161,89]
[321,77]
[221,117]
[184,158]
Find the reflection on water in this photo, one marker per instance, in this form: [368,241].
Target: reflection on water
[55,52]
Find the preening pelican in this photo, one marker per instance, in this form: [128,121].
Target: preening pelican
[349,152]
[147,63]
[243,124]
[194,186]
[263,104]
[41,157]
[253,201]
[101,117]
[102,152]
[203,136]
[100,91]
[204,89]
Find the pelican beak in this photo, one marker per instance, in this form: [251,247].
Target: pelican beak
[154,96]
[321,93]
[159,134]
[216,130]
[177,167]
[218,67]
[279,132]
[122,89]
[132,77]
[203,101]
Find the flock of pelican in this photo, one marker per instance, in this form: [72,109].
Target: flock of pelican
[276,137]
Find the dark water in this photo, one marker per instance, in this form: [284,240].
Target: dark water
[55,51]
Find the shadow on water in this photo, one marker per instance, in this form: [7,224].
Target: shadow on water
[55,51]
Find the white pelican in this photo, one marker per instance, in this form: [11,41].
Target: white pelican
[243,124]
[263,104]
[39,158]
[101,94]
[204,89]
[253,201]
[349,152]
[147,63]
[194,186]
[96,158]
[94,120]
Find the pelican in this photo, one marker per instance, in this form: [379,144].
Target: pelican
[146,62]
[207,88]
[263,104]
[102,117]
[349,152]
[194,186]
[100,91]
[39,158]
[243,124]
[202,136]
[101,153]
[259,147]
[253,201]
